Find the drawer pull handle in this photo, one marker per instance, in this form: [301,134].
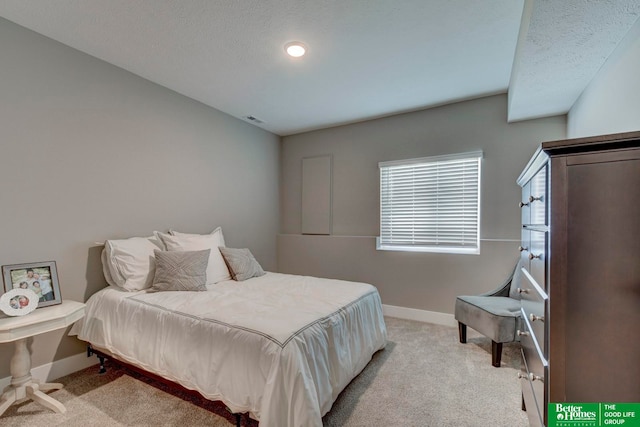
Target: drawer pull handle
[522,291]
[532,256]
[522,248]
[529,377]
[523,204]
[533,199]
[522,333]
[533,318]
[533,377]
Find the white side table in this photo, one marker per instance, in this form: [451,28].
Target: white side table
[18,329]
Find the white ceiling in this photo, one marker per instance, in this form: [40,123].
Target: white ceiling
[366,58]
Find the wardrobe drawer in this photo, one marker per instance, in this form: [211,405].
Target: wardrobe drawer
[535,364]
[533,304]
[538,198]
[537,257]
[525,246]
[525,204]
[529,396]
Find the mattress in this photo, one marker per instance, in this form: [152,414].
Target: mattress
[280,347]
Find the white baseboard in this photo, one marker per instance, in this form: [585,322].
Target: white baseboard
[57,369]
[438,318]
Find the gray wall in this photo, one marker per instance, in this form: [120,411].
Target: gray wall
[91,152]
[416,280]
[611,102]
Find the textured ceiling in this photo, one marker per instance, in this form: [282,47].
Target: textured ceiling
[562,45]
[366,58]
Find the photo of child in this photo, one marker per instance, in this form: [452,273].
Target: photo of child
[19,301]
[35,287]
[42,287]
[15,302]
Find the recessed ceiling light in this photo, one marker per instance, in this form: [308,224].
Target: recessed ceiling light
[295,49]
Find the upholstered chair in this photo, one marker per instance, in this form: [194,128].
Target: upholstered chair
[495,314]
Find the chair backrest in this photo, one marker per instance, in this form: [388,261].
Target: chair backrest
[516,281]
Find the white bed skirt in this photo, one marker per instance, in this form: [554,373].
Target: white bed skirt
[280,347]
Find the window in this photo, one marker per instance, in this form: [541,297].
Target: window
[431,204]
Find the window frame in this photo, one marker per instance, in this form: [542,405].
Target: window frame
[432,162]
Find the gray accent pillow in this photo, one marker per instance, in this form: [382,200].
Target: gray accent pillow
[242,265]
[180,270]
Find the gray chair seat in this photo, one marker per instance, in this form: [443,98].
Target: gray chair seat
[495,314]
[494,317]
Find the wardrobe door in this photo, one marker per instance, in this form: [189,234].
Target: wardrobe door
[603,277]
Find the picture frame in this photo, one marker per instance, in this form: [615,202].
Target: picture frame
[18,302]
[40,277]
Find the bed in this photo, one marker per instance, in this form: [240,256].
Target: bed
[279,347]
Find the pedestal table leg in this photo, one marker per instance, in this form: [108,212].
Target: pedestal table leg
[24,386]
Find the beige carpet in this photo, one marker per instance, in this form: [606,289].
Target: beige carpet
[424,377]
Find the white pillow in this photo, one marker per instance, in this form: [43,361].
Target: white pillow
[105,268]
[217,270]
[131,262]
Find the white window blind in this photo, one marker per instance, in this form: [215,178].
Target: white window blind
[431,204]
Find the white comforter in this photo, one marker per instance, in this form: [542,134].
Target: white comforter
[280,347]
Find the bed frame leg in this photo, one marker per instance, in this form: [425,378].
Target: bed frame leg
[102,370]
[91,352]
[236,415]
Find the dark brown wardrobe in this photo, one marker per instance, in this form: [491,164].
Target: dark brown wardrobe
[581,289]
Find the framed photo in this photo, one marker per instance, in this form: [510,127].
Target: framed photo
[18,302]
[39,277]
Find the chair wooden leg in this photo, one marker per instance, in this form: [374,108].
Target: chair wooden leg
[496,353]
[462,332]
[524,407]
